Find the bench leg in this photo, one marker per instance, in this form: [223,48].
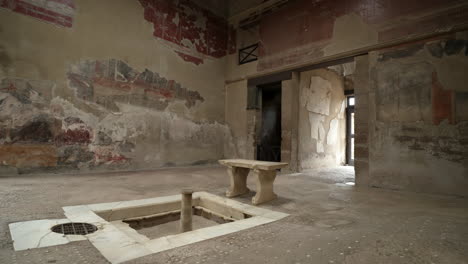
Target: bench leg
[238,178]
[265,181]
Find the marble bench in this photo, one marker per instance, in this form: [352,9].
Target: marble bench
[264,171]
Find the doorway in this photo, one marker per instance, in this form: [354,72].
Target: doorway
[269,142]
[350,130]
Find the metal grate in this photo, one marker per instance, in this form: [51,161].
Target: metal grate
[74,228]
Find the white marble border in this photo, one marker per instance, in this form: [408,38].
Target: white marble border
[118,243]
[117,246]
[38,234]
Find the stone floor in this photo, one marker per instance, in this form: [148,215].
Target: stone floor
[329,223]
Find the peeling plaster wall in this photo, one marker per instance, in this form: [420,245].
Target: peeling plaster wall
[194,31]
[57,12]
[418,136]
[306,30]
[303,31]
[322,123]
[104,94]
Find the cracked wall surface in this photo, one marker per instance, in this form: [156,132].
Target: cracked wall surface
[306,30]
[321,119]
[57,12]
[418,135]
[193,31]
[95,98]
[111,81]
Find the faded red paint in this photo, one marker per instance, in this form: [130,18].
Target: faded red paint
[161,92]
[188,26]
[301,29]
[107,82]
[11,87]
[442,102]
[75,136]
[189,58]
[111,158]
[58,12]
[88,76]
[127,86]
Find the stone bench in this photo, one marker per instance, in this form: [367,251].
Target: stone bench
[265,172]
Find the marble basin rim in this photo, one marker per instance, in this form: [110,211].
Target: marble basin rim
[119,243]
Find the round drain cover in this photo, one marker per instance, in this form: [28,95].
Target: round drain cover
[74,228]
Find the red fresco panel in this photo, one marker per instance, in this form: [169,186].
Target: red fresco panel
[302,26]
[189,26]
[58,12]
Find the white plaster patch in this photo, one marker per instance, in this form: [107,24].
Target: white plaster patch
[138,121]
[341,115]
[121,127]
[348,68]
[316,125]
[317,130]
[332,132]
[187,43]
[321,132]
[14,113]
[339,158]
[62,108]
[320,147]
[318,95]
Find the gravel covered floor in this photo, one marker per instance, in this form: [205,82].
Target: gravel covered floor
[330,222]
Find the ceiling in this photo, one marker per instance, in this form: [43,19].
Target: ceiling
[228,8]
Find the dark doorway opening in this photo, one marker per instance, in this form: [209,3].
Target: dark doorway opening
[269,142]
[350,130]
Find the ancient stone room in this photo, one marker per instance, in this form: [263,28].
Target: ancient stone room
[234,131]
